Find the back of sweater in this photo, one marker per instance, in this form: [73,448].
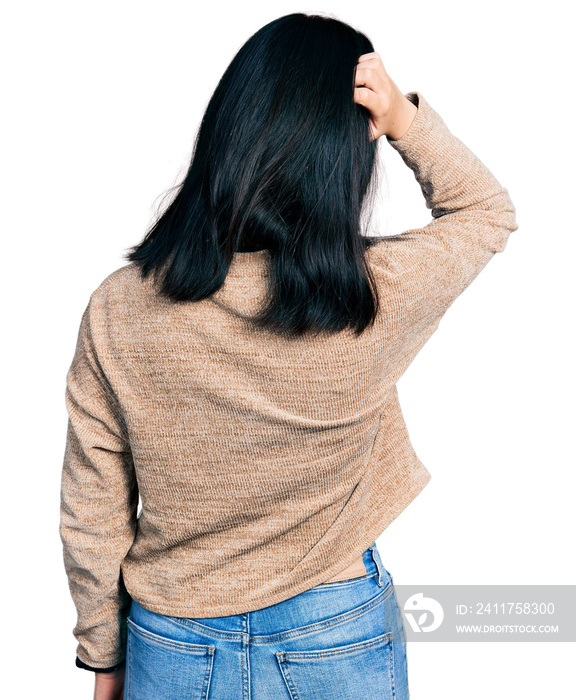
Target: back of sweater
[265,466]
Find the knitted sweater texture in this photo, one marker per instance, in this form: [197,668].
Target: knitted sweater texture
[264,466]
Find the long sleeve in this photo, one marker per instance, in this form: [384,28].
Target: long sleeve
[424,270]
[99,499]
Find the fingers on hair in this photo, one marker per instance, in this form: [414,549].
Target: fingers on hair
[369,56]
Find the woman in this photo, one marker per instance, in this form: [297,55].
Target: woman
[239,377]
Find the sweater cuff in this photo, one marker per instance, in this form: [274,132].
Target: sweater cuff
[109,669]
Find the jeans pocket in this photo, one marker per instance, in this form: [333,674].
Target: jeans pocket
[159,667]
[351,671]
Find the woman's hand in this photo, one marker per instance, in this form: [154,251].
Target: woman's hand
[109,686]
[391,113]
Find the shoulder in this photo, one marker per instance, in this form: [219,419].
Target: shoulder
[118,280]
[381,254]
[118,295]
[121,285]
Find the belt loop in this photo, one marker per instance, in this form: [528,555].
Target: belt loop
[378,562]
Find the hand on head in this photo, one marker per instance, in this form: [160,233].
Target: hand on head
[391,112]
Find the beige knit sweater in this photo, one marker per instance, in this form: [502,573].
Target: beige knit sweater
[264,466]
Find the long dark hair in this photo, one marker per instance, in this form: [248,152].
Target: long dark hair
[282,161]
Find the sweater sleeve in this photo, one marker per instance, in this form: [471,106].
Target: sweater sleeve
[98,504]
[422,271]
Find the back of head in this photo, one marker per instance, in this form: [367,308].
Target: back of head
[283,161]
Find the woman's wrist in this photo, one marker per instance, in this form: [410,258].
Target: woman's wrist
[404,121]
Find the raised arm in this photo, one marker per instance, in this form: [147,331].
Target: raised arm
[421,271]
[473,216]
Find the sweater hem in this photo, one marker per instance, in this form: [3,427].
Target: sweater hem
[420,479]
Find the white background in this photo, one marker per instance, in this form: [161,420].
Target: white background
[101,102]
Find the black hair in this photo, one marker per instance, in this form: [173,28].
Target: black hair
[282,161]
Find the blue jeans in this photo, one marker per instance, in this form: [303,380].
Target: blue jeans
[343,640]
